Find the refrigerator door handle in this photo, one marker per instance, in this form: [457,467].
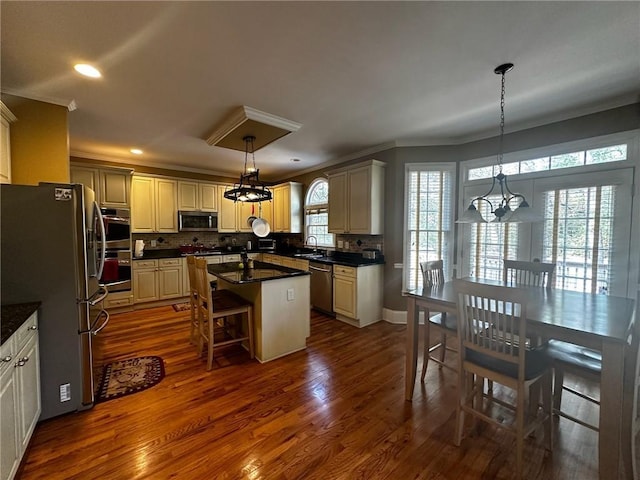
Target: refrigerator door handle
[97,297]
[103,236]
[103,313]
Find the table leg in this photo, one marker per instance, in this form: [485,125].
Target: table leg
[411,359]
[611,384]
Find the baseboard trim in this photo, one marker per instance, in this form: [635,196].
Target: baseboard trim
[399,317]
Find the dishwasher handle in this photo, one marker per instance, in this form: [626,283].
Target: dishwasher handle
[319,269]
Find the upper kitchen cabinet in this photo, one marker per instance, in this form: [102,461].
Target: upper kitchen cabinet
[5,149]
[356,199]
[154,205]
[287,208]
[233,216]
[197,196]
[112,185]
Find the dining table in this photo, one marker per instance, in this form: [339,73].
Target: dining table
[596,321]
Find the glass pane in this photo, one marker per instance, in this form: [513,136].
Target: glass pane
[607,154]
[319,193]
[579,239]
[535,165]
[510,168]
[567,160]
[479,173]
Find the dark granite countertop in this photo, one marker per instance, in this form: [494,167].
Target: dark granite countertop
[260,273]
[13,316]
[349,259]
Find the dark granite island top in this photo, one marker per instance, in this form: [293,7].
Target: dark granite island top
[261,272]
[13,316]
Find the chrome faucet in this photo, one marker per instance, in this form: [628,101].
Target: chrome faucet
[315,249]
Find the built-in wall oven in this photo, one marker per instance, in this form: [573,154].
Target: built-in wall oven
[116,275]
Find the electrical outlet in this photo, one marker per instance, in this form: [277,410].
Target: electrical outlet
[340,243]
[154,243]
[346,245]
[378,246]
[65,392]
[290,294]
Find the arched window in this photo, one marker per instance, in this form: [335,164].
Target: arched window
[316,206]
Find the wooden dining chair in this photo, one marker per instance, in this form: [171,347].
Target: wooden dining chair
[487,317]
[535,274]
[586,364]
[215,307]
[443,323]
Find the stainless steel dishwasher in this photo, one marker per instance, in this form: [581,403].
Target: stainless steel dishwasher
[321,287]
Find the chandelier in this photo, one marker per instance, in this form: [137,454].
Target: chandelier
[249,189]
[506,210]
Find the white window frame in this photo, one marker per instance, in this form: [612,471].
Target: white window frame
[316,206]
[468,188]
[448,260]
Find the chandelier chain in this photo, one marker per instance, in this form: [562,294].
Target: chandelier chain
[500,147]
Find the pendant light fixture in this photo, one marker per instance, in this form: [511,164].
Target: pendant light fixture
[249,189]
[506,210]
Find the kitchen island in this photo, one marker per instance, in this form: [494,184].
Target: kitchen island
[281,304]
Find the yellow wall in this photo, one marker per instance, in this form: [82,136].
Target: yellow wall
[39,141]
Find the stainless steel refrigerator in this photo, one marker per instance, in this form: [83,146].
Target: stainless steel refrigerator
[52,251]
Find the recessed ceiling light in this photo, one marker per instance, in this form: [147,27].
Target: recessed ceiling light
[136,151]
[87,70]
[295,159]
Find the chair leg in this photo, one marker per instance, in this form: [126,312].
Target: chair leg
[425,355]
[558,381]
[210,346]
[548,409]
[520,416]
[443,347]
[462,396]
[250,332]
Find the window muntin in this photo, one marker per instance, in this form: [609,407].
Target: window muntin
[613,153]
[428,217]
[316,214]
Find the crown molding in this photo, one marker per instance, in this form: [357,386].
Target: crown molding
[68,104]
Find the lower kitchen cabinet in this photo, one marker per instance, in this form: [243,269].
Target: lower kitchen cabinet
[357,294]
[155,280]
[19,394]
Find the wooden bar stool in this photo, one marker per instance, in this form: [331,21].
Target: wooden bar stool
[193,298]
[215,306]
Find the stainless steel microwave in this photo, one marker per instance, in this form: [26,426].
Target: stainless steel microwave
[266,244]
[191,221]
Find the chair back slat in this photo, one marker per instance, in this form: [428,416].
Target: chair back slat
[488,316]
[432,273]
[535,274]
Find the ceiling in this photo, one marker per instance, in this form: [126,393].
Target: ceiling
[358,76]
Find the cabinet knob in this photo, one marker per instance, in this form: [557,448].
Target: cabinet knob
[22,362]
[7,358]
[33,327]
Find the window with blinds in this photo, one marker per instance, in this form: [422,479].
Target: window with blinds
[578,233]
[490,244]
[317,214]
[428,218]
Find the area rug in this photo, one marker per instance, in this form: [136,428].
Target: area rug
[129,376]
[181,307]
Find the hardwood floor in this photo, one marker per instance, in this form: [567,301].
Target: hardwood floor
[333,411]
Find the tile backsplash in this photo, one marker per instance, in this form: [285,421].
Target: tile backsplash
[344,243]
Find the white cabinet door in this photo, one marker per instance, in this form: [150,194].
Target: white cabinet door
[187,196]
[344,295]
[143,195]
[338,206]
[115,188]
[359,200]
[145,285]
[9,456]
[208,197]
[166,206]
[89,177]
[170,282]
[5,143]
[28,383]
[227,217]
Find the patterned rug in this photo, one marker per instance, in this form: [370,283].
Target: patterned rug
[181,307]
[129,376]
